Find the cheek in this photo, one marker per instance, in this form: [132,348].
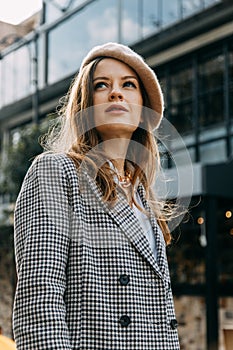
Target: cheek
[95,100]
[98,112]
[99,98]
[137,113]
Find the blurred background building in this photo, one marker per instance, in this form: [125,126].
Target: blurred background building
[189,44]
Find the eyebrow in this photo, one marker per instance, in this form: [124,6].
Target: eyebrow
[123,78]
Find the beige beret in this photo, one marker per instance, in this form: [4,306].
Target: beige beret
[135,61]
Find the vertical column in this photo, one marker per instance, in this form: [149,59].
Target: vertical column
[211,274]
[226,96]
[195,105]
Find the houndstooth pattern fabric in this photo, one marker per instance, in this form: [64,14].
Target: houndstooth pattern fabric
[87,278]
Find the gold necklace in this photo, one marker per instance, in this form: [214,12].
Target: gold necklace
[125,181]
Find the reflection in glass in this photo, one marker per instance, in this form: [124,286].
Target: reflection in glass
[189,7]
[69,42]
[131,25]
[8,78]
[211,2]
[151,13]
[140,18]
[170,11]
[57,8]
[16,75]
[23,71]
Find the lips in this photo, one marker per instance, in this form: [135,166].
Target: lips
[116,108]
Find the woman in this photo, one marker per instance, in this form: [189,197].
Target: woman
[89,235]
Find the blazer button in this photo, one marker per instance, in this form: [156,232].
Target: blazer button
[124,280]
[124,321]
[174,324]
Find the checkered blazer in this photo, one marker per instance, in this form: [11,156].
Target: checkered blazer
[87,278]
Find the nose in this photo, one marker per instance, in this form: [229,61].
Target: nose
[116,95]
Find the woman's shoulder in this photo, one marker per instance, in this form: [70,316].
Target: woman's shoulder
[60,159]
[52,163]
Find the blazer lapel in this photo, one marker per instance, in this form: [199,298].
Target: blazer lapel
[124,217]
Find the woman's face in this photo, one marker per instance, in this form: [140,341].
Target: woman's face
[117,99]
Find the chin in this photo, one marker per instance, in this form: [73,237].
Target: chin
[116,130]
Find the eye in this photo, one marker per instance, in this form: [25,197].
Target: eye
[100,85]
[129,84]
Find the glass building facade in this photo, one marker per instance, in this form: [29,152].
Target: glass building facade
[198,90]
[80,25]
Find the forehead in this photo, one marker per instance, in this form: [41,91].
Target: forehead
[112,66]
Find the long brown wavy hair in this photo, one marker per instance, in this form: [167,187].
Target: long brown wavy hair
[76,135]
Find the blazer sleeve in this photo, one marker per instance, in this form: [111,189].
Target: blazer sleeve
[41,251]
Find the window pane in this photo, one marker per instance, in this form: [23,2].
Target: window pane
[56,8]
[181,117]
[211,73]
[211,109]
[181,110]
[191,6]
[8,78]
[170,11]
[16,75]
[70,41]
[181,85]
[23,71]
[131,23]
[211,2]
[151,16]
[140,18]
[187,258]
[213,152]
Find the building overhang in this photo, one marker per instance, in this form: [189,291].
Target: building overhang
[214,180]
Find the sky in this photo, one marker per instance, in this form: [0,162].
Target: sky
[16,11]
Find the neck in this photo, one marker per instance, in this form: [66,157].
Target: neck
[116,150]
